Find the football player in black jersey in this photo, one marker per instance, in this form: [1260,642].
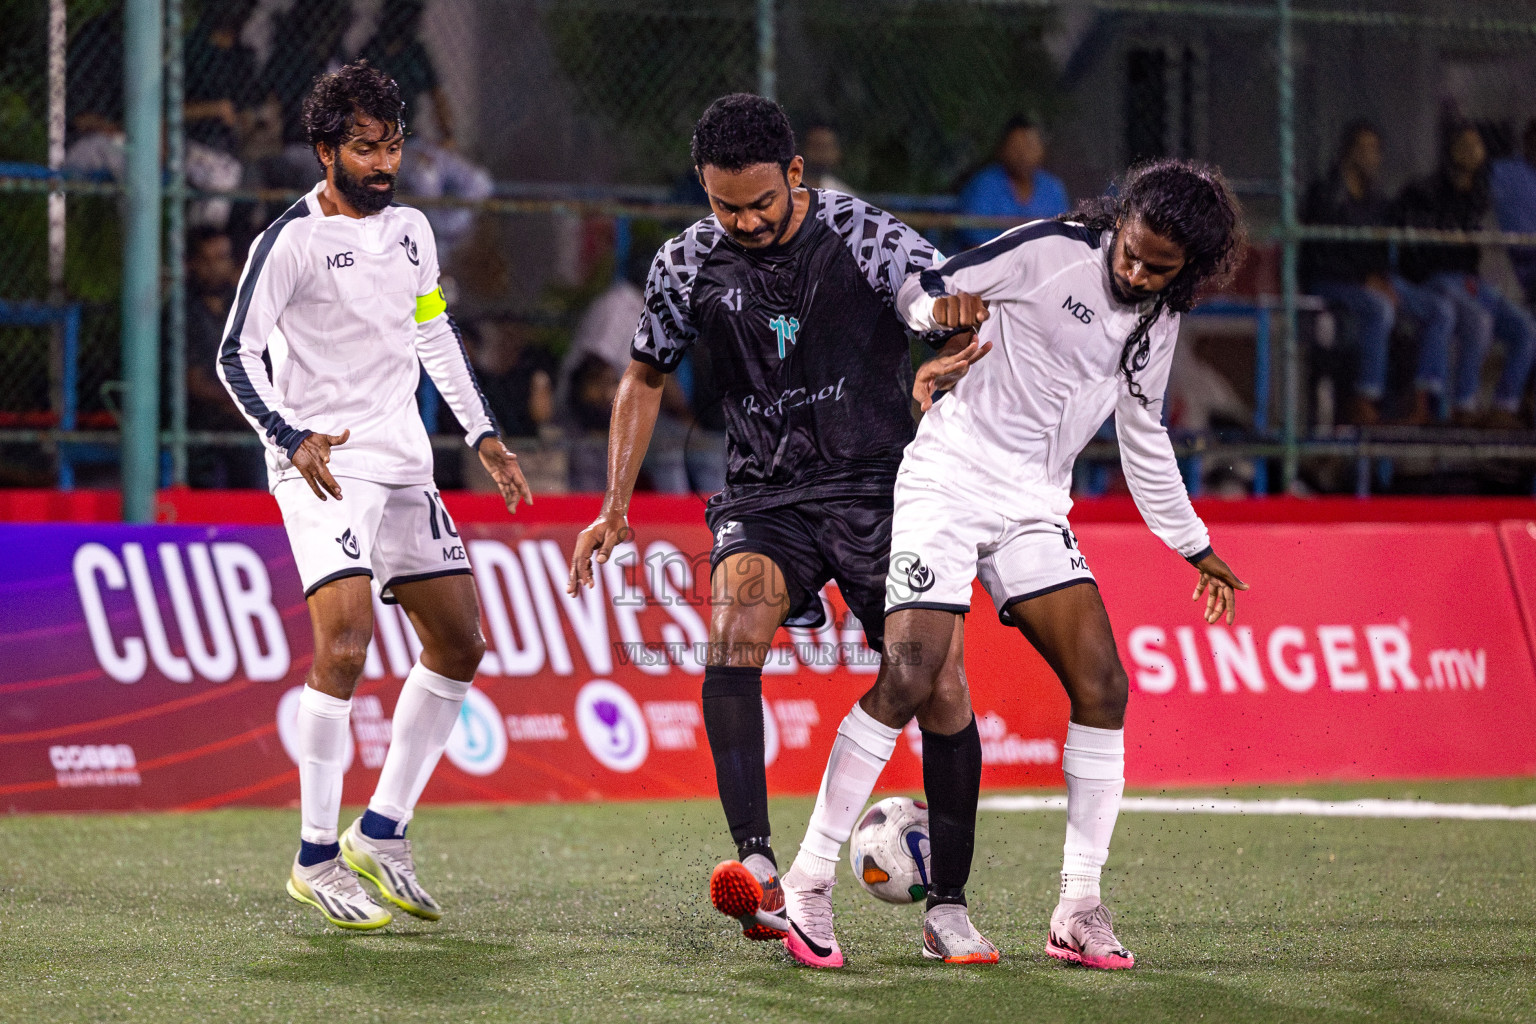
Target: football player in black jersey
[791,291]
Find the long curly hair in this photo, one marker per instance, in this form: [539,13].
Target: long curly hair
[1190,204]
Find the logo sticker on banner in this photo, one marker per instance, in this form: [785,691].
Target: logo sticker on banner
[611,726]
[478,743]
[288,727]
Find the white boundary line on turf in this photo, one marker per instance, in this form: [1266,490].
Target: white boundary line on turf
[1297,807]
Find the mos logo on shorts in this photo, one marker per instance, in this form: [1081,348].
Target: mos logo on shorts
[349,545]
[785,329]
[919,577]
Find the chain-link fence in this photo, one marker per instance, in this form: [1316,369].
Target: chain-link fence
[550,147]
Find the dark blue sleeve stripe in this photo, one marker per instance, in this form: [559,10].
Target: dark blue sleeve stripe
[469,369]
[283,435]
[933,280]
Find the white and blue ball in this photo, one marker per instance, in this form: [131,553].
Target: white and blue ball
[890,850]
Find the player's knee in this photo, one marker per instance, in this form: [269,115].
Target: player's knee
[903,688]
[467,656]
[1099,696]
[341,658]
[461,658]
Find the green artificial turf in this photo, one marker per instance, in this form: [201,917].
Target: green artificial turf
[599,913]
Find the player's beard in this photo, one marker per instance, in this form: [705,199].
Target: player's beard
[1122,290]
[360,193]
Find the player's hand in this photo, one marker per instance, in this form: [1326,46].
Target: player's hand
[607,531]
[312,458]
[1218,583]
[502,465]
[944,371]
[963,310]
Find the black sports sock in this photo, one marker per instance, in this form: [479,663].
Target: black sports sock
[733,721]
[952,782]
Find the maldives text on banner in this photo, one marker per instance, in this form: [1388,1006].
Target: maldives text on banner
[159,667]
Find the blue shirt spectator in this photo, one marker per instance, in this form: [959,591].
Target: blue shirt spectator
[1014,184]
[1512,183]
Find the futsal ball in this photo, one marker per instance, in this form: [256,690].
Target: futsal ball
[890,850]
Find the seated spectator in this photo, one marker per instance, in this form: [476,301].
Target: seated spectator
[1014,184]
[311,33]
[1513,184]
[95,103]
[1357,277]
[515,374]
[212,273]
[823,153]
[593,386]
[429,167]
[220,91]
[1456,198]
[605,331]
[220,75]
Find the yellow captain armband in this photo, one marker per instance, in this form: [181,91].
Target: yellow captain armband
[430,305]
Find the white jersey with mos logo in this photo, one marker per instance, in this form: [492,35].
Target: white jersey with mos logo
[347,311]
[1010,431]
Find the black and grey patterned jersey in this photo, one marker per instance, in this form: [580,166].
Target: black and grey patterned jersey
[806,351]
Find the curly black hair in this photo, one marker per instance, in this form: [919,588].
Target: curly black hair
[741,130]
[1190,204]
[336,99]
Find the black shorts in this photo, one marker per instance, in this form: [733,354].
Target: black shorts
[842,539]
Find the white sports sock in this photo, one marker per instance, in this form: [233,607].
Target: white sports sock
[424,718]
[859,754]
[1093,761]
[322,743]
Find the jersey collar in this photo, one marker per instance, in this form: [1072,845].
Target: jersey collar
[782,249]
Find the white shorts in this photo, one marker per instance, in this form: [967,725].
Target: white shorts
[940,543]
[391,533]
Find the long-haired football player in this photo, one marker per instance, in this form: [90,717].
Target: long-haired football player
[1085,312]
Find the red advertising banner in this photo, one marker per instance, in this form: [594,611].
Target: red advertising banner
[159,667]
[1519,539]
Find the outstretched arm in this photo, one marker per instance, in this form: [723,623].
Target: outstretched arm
[1152,472]
[629,435]
[944,370]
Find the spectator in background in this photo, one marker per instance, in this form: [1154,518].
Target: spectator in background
[220,92]
[593,386]
[1455,197]
[1357,276]
[220,75]
[823,153]
[212,273]
[429,168]
[1014,184]
[605,331]
[94,104]
[515,374]
[1512,182]
[309,44]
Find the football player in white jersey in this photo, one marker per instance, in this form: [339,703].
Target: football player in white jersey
[1084,313]
[341,295]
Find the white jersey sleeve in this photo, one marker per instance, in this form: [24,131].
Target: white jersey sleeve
[270,277]
[440,348]
[1146,454]
[1003,268]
